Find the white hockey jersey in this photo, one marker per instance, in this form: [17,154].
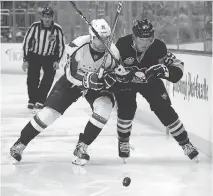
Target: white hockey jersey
[78,59]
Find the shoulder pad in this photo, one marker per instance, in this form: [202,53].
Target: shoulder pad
[79,41]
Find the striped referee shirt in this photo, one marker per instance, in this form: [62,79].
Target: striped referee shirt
[44,41]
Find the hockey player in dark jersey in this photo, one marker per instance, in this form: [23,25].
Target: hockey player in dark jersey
[150,61]
[83,58]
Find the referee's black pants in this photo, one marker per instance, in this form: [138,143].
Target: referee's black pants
[38,90]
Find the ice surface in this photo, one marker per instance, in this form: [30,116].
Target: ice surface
[157,166]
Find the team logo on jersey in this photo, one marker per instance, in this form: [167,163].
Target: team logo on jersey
[129,61]
[139,77]
[95,57]
[164,96]
[52,38]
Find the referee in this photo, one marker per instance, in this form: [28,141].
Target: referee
[43,47]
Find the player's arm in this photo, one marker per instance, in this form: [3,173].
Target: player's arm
[61,43]
[168,67]
[174,65]
[80,78]
[68,51]
[27,41]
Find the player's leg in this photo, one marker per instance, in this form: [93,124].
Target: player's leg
[60,98]
[126,107]
[46,81]
[101,104]
[33,75]
[160,104]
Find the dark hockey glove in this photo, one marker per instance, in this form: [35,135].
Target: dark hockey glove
[157,71]
[122,75]
[91,81]
[109,79]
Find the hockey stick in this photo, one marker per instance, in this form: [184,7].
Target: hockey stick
[102,67]
[94,31]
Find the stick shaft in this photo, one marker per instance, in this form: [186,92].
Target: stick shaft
[102,67]
[94,31]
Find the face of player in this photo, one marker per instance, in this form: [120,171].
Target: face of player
[141,44]
[47,20]
[98,45]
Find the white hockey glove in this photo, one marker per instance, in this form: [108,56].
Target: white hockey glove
[157,71]
[91,81]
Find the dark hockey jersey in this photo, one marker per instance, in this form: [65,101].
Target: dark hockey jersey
[157,53]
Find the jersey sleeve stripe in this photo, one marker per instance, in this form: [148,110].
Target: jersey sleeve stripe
[27,40]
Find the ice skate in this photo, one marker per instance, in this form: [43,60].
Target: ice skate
[191,151]
[167,133]
[124,148]
[37,107]
[78,169]
[81,155]
[16,151]
[30,106]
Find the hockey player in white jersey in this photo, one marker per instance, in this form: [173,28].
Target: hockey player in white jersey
[83,58]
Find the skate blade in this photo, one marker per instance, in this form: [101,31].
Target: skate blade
[78,169]
[78,161]
[196,159]
[35,111]
[124,160]
[12,160]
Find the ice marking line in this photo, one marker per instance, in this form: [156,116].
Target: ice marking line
[99,192]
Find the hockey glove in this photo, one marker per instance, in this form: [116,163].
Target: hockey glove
[157,71]
[25,66]
[122,75]
[91,81]
[109,79]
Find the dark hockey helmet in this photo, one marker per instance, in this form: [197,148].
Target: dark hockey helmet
[47,11]
[143,28]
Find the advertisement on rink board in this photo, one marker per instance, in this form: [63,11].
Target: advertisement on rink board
[192,87]
[192,97]
[11,58]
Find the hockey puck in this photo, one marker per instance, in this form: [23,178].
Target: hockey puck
[126,181]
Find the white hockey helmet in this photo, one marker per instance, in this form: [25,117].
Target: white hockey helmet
[101,26]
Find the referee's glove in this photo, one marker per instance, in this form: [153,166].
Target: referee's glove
[25,66]
[55,65]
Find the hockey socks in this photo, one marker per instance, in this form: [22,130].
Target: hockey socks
[178,131]
[90,133]
[28,133]
[124,128]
